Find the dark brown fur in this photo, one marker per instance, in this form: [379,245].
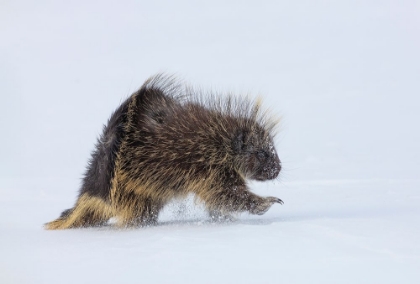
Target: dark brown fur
[166,142]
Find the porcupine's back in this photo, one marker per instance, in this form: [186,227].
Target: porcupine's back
[134,118]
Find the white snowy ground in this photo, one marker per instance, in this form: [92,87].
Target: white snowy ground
[344,75]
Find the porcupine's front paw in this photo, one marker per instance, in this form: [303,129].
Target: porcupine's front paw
[262,206]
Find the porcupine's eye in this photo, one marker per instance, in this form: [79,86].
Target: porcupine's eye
[262,155]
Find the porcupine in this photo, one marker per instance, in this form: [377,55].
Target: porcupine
[167,142]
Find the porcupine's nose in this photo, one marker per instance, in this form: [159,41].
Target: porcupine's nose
[275,169]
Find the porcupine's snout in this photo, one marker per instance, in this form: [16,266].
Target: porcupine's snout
[273,169]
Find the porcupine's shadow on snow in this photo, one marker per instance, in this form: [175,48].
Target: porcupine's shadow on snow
[249,220]
[239,221]
[208,222]
[306,216]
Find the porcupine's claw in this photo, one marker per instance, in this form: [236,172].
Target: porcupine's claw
[279,201]
[275,200]
[266,203]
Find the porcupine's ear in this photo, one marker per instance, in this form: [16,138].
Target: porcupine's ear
[239,141]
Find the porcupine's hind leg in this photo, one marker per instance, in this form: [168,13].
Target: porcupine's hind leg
[88,211]
[136,210]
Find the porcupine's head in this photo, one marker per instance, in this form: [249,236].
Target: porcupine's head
[255,153]
[247,133]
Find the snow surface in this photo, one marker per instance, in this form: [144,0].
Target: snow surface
[344,75]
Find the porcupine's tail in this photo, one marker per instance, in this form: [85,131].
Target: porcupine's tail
[88,211]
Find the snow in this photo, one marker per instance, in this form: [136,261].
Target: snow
[342,74]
